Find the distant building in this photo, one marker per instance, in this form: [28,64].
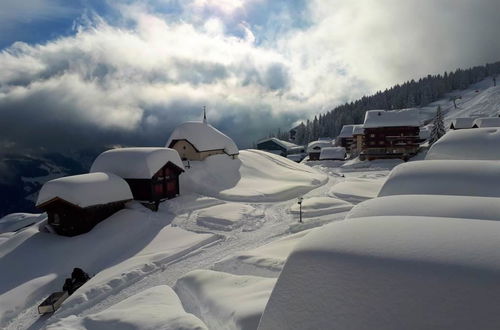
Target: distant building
[314,148]
[391,134]
[197,140]
[486,122]
[276,146]
[75,204]
[333,153]
[345,138]
[358,137]
[297,154]
[462,123]
[152,173]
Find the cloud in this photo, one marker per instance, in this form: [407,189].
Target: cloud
[257,65]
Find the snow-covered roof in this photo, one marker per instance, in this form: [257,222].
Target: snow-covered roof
[390,272]
[444,177]
[332,153]
[284,144]
[358,130]
[460,123]
[425,132]
[466,207]
[346,131]
[295,157]
[86,189]
[382,118]
[316,146]
[478,143]
[135,163]
[203,137]
[487,122]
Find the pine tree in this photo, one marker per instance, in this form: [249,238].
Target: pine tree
[438,130]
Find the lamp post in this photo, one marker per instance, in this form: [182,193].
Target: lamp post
[299,201]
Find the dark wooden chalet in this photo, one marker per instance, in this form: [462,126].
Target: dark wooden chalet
[345,138]
[152,173]
[76,204]
[391,134]
[314,148]
[276,146]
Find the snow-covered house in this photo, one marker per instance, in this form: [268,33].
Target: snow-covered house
[333,153]
[479,144]
[391,134]
[276,146]
[462,123]
[75,204]
[152,173]
[197,140]
[296,153]
[314,148]
[486,122]
[345,137]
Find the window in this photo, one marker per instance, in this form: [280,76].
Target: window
[372,135]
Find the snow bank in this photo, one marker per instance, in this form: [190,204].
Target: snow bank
[256,176]
[444,177]
[224,301]
[203,137]
[15,221]
[462,123]
[318,206]
[34,264]
[332,153]
[478,143]
[391,273]
[356,190]
[226,216]
[382,118]
[135,163]
[467,207]
[86,189]
[156,308]
[266,260]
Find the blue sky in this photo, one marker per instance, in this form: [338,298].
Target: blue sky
[87,72]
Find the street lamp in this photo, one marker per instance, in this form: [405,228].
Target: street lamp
[299,201]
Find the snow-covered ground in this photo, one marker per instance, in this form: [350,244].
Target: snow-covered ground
[222,244]
[227,206]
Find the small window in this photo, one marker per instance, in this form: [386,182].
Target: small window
[184,147]
[372,135]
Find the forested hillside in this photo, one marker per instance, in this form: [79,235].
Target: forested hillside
[408,95]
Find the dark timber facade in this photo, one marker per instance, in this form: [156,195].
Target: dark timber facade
[390,142]
[68,219]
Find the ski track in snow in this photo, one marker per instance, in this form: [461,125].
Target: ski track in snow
[276,222]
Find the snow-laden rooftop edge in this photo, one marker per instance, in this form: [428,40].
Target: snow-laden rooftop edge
[135,163]
[86,189]
[396,118]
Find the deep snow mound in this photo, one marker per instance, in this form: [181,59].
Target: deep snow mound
[391,273]
[256,176]
[477,143]
[466,207]
[156,308]
[444,177]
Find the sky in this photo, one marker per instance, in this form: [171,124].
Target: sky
[100,73]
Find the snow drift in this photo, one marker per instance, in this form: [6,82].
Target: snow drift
[478,143]
[256,176]
[467,207]
[225,301]
[444,177]
[391,273]
[156,308]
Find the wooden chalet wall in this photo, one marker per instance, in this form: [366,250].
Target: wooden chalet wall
[71,220]
[391,142]
[188,152]
[163,185]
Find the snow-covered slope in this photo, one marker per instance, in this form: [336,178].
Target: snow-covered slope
[257,176]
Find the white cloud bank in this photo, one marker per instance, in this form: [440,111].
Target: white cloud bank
[132,82]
